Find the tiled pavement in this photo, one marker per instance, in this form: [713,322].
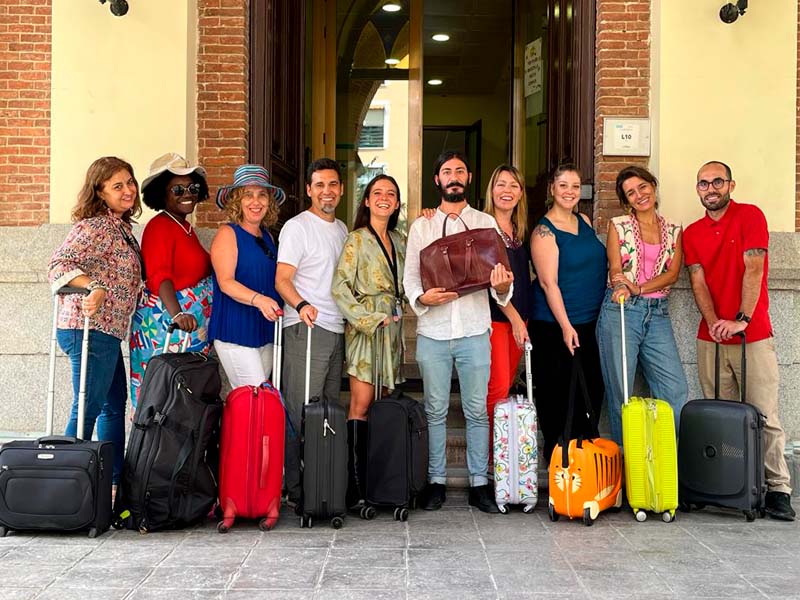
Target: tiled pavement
[453,553]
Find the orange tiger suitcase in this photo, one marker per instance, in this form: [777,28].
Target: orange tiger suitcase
[586,474]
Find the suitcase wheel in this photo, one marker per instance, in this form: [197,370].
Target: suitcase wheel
[3,532]
[400,514]
[750,515]
[641,516]
[503,509]
[551,512]
[587,517]
[337,522]
[528,508]
[667,516]
[93,532]
[368,513]
[267,524]
[306,521]
[222,528]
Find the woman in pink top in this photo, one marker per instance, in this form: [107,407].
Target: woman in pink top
[644,259]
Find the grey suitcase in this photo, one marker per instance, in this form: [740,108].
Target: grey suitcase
[324,464]
[721,452]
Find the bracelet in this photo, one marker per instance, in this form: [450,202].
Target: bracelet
[96,285]
[300,306]
[253,299]
[175,316]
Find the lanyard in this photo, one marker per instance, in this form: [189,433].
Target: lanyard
[391,261]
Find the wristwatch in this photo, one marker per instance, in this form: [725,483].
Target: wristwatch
[740,316]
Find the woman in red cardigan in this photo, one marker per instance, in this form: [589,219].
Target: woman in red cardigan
[178,268]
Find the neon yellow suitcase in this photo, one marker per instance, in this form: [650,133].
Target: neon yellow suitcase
[651,457]
[650,450]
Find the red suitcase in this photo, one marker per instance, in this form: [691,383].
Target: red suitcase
[251,450]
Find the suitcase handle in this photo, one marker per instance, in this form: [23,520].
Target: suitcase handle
[743,384]
[277,351]
[624,351]
[187,337]
[51,386]
[57,439]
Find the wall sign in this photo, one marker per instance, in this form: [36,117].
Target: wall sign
[626,137]
[533,67]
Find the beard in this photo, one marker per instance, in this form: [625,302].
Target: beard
[457,195]
[719,204]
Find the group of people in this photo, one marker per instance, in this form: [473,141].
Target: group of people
[342,288]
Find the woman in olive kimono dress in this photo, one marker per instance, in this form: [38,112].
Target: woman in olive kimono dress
[368,288]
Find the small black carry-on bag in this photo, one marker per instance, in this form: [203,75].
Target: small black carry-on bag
[397,447]
[324,463]
[57,483]
[169,479]
[721,451]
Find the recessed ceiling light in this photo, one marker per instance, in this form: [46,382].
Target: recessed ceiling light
[392,61]
[434,82]
[440,37]
[391,7]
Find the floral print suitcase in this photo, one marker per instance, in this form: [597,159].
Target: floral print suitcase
[516,453]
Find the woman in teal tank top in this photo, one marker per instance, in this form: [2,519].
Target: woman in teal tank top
[571,269]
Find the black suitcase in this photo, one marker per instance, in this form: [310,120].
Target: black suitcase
[721,452]
[169,478]
[57,483]
[397,448]
[324,463]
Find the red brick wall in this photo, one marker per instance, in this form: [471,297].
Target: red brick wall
[25,51]
[222,95]
[622,88]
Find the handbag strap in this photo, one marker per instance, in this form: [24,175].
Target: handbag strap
[447,218]
[577,377]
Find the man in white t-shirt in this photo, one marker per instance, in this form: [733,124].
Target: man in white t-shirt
[308,252]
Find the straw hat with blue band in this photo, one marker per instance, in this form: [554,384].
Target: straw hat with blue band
[250,175]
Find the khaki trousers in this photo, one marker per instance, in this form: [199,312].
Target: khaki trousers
[762,392]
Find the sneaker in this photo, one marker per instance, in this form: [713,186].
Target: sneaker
[779,506]
[434,496]
[482,498]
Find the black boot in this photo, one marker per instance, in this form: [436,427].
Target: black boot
[356,462]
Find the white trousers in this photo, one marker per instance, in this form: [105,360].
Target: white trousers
[244,365]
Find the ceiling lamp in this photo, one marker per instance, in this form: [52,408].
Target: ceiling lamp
[392,61]
[440,37]
[391,7]
[434,82]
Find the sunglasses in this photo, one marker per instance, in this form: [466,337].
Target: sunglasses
[266,249]
[179,190]
[717,182]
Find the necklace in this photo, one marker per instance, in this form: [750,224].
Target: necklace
[171,216]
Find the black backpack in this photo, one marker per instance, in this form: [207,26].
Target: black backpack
[169,479]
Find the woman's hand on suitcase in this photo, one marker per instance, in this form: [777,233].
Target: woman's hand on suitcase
[185,322]
[520,331]
[268,307]
[92,302]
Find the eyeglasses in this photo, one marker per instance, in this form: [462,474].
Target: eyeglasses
[717,182]
[179,190]
[266,249]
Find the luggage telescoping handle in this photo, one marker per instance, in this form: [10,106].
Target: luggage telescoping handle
[187,337]
[51,387]
[625,399]
[377,363]
[277,351]
[743,383]
[528,372]
[308,365]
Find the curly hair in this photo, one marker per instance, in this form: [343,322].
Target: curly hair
[90,204]
[233,209]
[155,194]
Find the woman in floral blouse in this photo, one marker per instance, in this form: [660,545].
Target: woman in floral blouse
[368,288]
[644,257]
[101,255]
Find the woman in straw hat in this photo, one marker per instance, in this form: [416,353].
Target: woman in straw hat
[178,268]
[244,257]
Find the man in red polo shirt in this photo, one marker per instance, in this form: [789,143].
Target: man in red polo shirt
[726,254]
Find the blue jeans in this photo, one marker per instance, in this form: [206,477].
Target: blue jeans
[106,389]
[650,343]
[472,358]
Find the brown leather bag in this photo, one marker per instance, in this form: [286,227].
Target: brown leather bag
[462,262]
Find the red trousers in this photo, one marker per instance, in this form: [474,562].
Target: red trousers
[505,359]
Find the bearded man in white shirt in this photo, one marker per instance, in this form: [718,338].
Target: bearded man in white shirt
[453,329]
